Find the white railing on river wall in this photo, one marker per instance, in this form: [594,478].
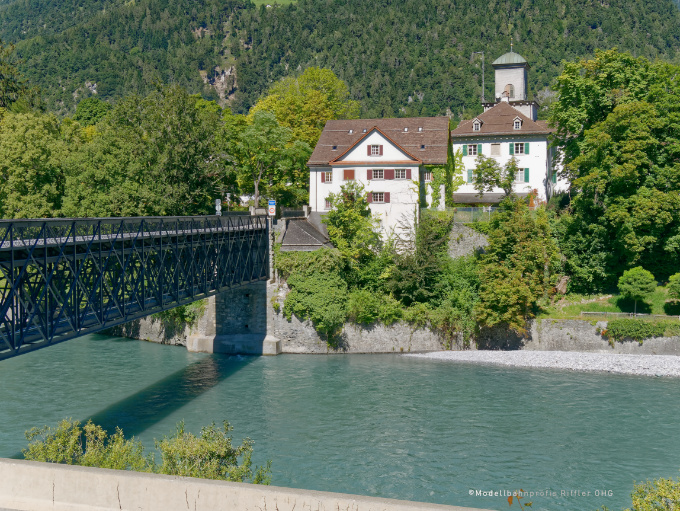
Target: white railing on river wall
[34,486]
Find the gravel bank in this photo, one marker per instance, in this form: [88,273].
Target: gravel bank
[641,365]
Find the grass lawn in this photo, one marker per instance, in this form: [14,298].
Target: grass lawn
[571,306]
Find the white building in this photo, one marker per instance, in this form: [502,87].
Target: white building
[509,128]
[389,157]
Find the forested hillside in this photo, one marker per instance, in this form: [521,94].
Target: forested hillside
[411,57]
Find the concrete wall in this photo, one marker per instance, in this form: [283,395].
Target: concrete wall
[33,486]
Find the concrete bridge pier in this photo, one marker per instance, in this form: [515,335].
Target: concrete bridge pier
[237,321]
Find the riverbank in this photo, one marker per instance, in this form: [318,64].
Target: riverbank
[639,365]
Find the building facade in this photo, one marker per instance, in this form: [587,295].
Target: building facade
[389,157]
[509,128]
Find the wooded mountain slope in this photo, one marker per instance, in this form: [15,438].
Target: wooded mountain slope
[405,57]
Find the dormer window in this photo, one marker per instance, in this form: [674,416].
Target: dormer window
[335,148]
[420,129]
[517,123]
[364,131]
[405,130]
[351,131]
[476,125]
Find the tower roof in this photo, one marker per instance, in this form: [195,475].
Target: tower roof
[510,58]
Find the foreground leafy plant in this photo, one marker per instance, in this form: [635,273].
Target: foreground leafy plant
[209,456]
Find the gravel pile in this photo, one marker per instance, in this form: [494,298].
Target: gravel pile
[642,365]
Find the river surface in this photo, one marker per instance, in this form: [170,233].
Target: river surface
[380,425]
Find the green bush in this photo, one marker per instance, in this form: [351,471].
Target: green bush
[674,286]
[184,314]
[620,329]
[209,456]
[366,307]
[321,297]
[656,495]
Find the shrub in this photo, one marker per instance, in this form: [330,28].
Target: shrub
[674,286]
[210,456]
[320,297]
[620,329]
[184,314]
[366,307]
[658,494]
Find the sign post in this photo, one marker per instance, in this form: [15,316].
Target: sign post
[272,207]
[218,207]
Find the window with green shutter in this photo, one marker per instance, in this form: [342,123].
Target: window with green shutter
[469,176]
[512,148]
[526,175]
[526,148]
[553,178]
[479,148]
[465,150]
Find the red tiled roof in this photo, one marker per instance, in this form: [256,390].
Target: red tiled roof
[434,137]
[499,120]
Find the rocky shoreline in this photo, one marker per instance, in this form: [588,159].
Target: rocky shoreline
[639,365]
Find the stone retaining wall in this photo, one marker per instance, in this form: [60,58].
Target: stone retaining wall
[573,335]
[245,320]
[34,486]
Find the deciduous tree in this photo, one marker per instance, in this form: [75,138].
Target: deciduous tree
[637,284]
[304,103]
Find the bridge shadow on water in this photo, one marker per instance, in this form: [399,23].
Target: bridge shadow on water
[135,413]
[139,411]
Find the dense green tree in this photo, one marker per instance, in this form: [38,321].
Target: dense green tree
[519,268]
[417,276]
[155,155]
[32,166]
[91,110]
[304,103]
[619,120]
[264,154]
[351,226]
[637,284]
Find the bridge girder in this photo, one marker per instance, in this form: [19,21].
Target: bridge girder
[63,278]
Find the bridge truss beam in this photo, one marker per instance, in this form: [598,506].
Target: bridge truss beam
[64,278]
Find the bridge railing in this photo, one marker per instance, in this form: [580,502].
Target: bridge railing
[57,230]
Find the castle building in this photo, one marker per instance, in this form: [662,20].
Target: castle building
[509,128]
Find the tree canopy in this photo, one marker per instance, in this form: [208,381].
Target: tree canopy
[619,120]
[306,102]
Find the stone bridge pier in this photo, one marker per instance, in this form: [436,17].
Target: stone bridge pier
[236,321]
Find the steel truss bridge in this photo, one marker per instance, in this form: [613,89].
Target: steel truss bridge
[64,278]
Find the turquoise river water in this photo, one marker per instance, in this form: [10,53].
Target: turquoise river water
[381,425]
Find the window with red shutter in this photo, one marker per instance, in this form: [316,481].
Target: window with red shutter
[389,173]
[387,197]
[369,174]
[323,177]
[368,150]
[381,150]
[369,197]
[349,175]
[408,173]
